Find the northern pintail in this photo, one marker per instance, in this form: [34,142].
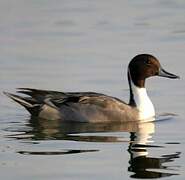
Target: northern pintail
[96,107]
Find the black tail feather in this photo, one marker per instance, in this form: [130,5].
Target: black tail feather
[26,102]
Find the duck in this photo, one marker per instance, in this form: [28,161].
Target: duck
[96,107]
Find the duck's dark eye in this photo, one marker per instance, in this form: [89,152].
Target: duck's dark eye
[148,62]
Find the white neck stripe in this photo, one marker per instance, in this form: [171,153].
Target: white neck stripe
[143,102]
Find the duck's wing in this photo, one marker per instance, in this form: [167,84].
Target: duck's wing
[41,96]
[36,98]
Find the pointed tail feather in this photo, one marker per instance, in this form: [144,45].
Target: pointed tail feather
[25,102]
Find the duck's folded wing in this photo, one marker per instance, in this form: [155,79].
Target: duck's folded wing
[80,100]
[95,108]
[40,95]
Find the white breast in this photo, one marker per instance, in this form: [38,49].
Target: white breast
[143,102]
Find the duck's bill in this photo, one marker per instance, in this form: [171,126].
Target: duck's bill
[166,74]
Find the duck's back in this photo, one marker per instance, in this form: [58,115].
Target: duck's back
[97,108]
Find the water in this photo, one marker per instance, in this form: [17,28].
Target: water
[85,46]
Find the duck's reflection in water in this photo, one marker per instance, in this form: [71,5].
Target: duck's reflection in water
[141,162]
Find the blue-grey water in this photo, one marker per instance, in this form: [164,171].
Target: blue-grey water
[78,45]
